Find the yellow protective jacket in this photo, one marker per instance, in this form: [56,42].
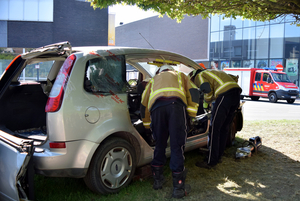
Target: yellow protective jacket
[169,84]
[219,82]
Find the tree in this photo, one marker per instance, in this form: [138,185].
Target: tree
[258,10]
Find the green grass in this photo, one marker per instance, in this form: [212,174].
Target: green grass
[271,174]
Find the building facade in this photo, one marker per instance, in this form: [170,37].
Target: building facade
[246,43]
[35,23]
[220,42]
[189,38]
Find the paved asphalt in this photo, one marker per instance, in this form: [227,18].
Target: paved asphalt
[265,110]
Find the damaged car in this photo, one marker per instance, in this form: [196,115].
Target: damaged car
[74,112]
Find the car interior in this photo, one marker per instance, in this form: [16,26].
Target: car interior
[23,103]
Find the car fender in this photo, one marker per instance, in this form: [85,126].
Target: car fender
[125,131]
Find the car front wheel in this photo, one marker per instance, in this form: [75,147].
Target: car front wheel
[112,167]
[273,97]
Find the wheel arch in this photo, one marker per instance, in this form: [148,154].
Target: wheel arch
[92,177]
[271,91]
[239,119]
[126,136]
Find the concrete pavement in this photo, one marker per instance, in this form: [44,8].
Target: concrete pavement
[265,110]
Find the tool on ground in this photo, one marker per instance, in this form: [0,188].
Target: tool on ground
[249,147]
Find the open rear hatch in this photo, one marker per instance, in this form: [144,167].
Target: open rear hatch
[23,118]
[16,171]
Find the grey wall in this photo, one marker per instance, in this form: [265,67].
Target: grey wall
[189,38]
[73,21]
[3,34]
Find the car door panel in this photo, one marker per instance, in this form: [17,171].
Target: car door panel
[15,154]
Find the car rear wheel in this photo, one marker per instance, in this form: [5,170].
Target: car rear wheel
[112,167]
[231,135]
[273,97]
[290,100]
[255,98]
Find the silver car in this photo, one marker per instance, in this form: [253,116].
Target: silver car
[74,112]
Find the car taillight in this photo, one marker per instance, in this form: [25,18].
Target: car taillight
[57,93]
[57,145]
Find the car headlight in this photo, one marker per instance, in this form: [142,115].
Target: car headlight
[282,88]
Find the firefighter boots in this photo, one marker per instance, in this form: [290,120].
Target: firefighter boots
[180,189]
[158,177]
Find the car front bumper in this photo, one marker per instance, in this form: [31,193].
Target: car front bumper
[291,94]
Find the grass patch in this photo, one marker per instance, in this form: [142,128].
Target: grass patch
[271,174]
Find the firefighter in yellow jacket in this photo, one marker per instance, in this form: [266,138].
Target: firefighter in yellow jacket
[167,99]
[226,93]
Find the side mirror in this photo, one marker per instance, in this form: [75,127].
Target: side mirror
[205,88]
[269,80]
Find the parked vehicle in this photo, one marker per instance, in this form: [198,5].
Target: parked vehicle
[267,83]
[81,118]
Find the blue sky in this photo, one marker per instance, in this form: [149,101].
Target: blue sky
[127,14]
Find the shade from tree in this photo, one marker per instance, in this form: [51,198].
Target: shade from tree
[257,10]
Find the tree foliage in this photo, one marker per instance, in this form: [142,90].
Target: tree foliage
[258,10]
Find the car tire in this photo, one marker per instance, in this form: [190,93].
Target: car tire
[290,100]
[273,97]
[255,98]
[231,135]
[112,167]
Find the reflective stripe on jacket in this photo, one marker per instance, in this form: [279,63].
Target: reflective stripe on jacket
[169,84]
[219,82]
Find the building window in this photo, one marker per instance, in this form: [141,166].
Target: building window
[278,20]
[260,23]
[236,64]
[274,62]
[276,40]
[292,41]
[262,63]
[214,46]
[26,10]
[224,64]
[289,18]
[249,43]
[215,23]
[237,51]
[224,22]
[248,63]
[262,42]
[214,65]
[248,23]
[238,22]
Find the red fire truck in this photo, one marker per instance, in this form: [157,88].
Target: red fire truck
[267,83]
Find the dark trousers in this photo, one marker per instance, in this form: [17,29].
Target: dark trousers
[169,120]
[222,116]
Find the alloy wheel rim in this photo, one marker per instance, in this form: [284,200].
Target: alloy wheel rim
[116,167]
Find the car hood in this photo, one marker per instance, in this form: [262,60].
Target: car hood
[288,85]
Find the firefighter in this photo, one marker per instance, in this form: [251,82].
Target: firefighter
[166,100]
[225,92]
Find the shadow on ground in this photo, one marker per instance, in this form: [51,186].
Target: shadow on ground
[271,174]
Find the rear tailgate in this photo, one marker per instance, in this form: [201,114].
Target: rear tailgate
[16,181]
